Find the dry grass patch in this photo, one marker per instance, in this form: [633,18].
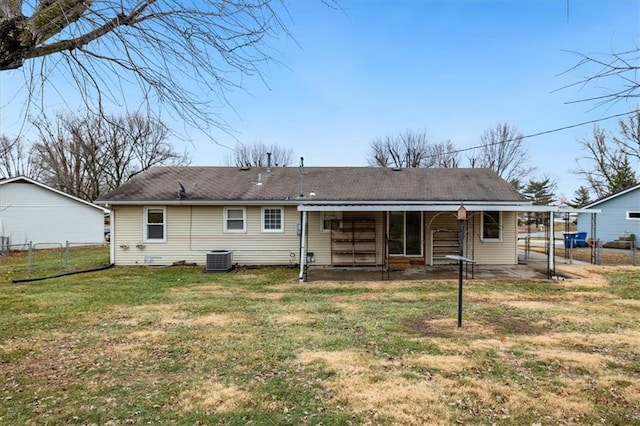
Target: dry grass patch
[347,305]
[374,390]
[220,320]
[448,363]
[212,396]
[294,319]
[571,357]
[267,296]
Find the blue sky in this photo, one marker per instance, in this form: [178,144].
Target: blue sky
[452,68]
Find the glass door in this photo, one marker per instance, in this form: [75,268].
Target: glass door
[405,233]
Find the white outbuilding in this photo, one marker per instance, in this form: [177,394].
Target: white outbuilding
[31,212]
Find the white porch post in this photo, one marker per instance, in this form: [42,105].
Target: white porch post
[303,246]
[552,246]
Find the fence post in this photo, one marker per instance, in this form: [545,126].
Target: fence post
[633,249]
[571,251]
[30,257]
[66,255]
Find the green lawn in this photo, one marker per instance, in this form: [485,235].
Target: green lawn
[178,346]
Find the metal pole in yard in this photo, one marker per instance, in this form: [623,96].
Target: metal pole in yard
[462,217]
[30,257]
[66,255]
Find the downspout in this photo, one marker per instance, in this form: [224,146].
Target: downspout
[112,236]
[303,246]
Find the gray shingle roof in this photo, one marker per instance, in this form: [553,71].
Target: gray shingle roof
[349,184]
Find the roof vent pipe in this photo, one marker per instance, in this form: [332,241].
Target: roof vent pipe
[181,191]
[268,162]
[301,176]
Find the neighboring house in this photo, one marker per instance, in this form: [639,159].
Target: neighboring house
[33,212]
[338,216]
[619,216]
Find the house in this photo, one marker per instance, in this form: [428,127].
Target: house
[619,216]
[31,212]
[336,216]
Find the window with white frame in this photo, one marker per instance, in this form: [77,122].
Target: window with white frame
[633,215]
[272,219]
[491,226]
[235,219]
[154,224]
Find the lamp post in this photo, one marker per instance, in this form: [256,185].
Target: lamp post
[462,218]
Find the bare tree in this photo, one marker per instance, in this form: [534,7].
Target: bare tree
[444,154]
[184,55]
[86,156]
[503,150]
[614,74]
[629,139]
[257,155]
[605,167]
[408,149]
[16,158]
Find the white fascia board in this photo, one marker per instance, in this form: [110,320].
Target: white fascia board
[200,203]
[572,210]
[439,207]
[612,196]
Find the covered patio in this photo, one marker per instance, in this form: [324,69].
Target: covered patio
[525,265]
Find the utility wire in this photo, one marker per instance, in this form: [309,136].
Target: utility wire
[545,132]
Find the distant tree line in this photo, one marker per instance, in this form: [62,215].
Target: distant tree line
[88,156]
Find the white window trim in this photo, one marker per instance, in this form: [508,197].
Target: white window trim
[145,229]
[633,218]
[491,240]
[272,231]
[244,221]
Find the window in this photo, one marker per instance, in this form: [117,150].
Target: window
[329,219]
[491,226]
[633,215]
[405,233]
[272,219]
[154,224]
[235,219]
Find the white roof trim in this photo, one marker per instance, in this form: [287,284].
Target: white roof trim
[48,188]
[440,207]
[617,194]
[187,202]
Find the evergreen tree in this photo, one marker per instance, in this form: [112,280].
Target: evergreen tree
[580,198]
[542,193]
[623,177]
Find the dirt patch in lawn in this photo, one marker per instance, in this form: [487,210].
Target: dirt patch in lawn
[448,328]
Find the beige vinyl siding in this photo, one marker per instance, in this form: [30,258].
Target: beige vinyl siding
[318,241]
[504,252]
[192,231]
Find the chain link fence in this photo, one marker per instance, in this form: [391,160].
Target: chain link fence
[38,259]
[599,253]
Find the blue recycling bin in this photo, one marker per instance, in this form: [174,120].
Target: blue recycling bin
[575,239]
[570,239]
